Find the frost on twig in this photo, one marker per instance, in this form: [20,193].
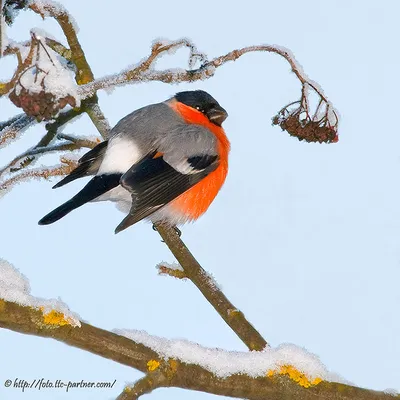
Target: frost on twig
[145,71]
[44,172]
[14,287]
[320,126]
[14,128]
[3,35]
[31,155]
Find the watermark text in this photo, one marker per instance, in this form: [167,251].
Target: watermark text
[43,384]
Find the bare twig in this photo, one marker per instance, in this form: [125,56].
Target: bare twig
[230,314]
[174,272]
[145,385]
[59,48]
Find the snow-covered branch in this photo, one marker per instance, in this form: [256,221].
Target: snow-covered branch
[286,371]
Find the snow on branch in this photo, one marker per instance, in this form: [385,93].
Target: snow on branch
[14,287]
[223,363]
[284,381]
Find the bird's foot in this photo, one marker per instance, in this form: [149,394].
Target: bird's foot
[176,229]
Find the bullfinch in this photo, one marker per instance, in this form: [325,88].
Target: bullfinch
[165,162]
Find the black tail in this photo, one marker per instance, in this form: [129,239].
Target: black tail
[88,165]
[95,188]
[79,172]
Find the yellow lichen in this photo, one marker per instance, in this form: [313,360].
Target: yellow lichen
[234,313]
[2,305]
[173,367]
[55,318]
[294,375]
[173,364]
[152,365]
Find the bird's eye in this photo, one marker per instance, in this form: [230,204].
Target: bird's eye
[199,109]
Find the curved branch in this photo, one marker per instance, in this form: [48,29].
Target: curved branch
[173,373]
[143,73]
[193,270]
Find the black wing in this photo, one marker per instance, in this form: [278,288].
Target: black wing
[154,183]
[88,164]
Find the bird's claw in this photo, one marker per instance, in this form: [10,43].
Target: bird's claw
[176,229]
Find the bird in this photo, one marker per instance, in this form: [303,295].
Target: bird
[165,162]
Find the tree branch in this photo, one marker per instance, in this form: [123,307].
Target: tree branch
[143,73]
[48,8]
[27,157]
[57,170]
[99,120]
[193,270]
[15,128]
[171,372]
[145,385]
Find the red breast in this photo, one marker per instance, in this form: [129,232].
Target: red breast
[195,202]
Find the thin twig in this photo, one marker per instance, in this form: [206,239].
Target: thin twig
[25,159]
[15,128]
[59,48]
[5,124]
[80,142]
[145,385]
[27,156]
[230,314]
[58,170]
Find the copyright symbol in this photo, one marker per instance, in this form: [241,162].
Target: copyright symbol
[7,383]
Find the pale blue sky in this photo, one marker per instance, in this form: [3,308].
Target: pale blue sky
[304,238]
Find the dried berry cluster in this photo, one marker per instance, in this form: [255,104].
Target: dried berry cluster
[43,105]
[298,123]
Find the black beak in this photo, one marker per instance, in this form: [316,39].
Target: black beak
[217,115]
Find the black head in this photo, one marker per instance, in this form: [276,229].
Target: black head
[205,103]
